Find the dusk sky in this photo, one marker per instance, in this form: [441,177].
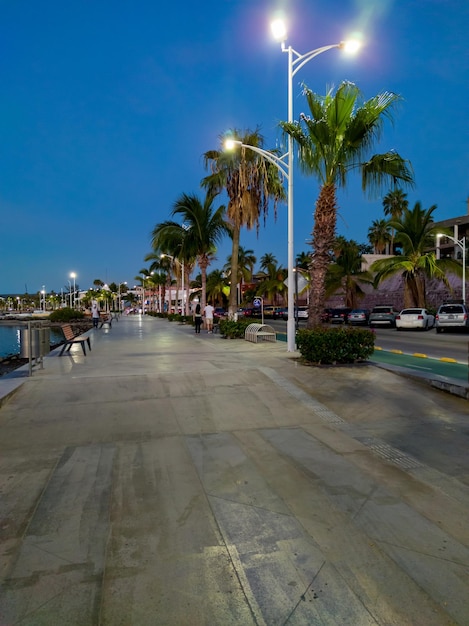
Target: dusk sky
[106,109]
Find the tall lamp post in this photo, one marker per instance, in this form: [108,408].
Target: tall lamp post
[295,62]
[120,297]
[462,244]
[72,301]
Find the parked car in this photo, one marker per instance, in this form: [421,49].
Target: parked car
[219,312]
[415,318]
[358,317]
[280,312]
[452,316]
[339,316]
[383,315]
[302,313]
[247,311]
[326,315]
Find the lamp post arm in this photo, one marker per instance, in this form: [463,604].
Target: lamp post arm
[302,59]
[278,162]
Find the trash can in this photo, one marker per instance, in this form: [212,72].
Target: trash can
[29,341]
[38,338]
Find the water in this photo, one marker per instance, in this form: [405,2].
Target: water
[10,338]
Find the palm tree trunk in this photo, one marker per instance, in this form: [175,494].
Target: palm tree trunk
[233,305]
[322,241]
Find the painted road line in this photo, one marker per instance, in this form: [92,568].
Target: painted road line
[396,351]
[447,360]
[420,355]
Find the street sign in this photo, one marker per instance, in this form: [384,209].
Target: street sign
[256,303]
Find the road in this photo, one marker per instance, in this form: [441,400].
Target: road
[452,345]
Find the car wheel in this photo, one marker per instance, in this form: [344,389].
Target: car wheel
[438,330]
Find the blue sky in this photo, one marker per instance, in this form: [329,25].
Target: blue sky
[106,109]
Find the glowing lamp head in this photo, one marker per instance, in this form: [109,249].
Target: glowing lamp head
[351,46]
[279,30]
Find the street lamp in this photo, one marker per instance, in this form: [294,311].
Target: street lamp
[120,297]
[295,62]
[462,244]
[73,276]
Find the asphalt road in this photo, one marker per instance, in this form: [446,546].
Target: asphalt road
[448,345]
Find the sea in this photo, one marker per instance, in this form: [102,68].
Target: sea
[10,337]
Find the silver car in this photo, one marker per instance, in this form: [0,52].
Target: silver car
[382,315]
[452,316]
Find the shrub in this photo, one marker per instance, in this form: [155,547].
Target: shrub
[66,315]
[335,345]
[232,329]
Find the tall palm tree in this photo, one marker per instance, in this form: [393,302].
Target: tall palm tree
[394,203]
[204,228]
[379,235]
[250,182]
[246,262]
[274,283]
[333,141]
[303,260]
[216,287]
[416,233]
[346,274]
[267,260]
[197,238]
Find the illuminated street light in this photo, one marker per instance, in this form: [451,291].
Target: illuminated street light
[73,301]
[462,244]
[295,62]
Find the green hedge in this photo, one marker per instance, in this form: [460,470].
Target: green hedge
[66,315]
[232,329]
[335,345]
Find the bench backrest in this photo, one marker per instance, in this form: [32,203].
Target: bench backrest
[68,331]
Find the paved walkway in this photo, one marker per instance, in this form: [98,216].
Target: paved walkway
[169,478]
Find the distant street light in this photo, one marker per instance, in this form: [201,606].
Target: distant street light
[120,297]
[462,244]
[295,62]
[73,301]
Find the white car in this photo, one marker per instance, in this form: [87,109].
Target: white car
[415,318]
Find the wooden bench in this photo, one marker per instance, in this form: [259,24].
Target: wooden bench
[72,338]
[105,319]
[260,332]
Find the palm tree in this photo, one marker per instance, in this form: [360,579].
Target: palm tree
[274,283]
[303,260]
[246,262]
[379,236]
[267,260]
[346,273]
[216,286]
[250,182]
[195,239]
[332,142]
[416,233]
[394,203]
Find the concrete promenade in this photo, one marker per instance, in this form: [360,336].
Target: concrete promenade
[176,479]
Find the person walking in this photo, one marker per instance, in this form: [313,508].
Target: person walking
[197,318]
[208,314]
[95,313]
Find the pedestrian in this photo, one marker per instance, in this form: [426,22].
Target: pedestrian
[198,318]
[95,313]
[208,314]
